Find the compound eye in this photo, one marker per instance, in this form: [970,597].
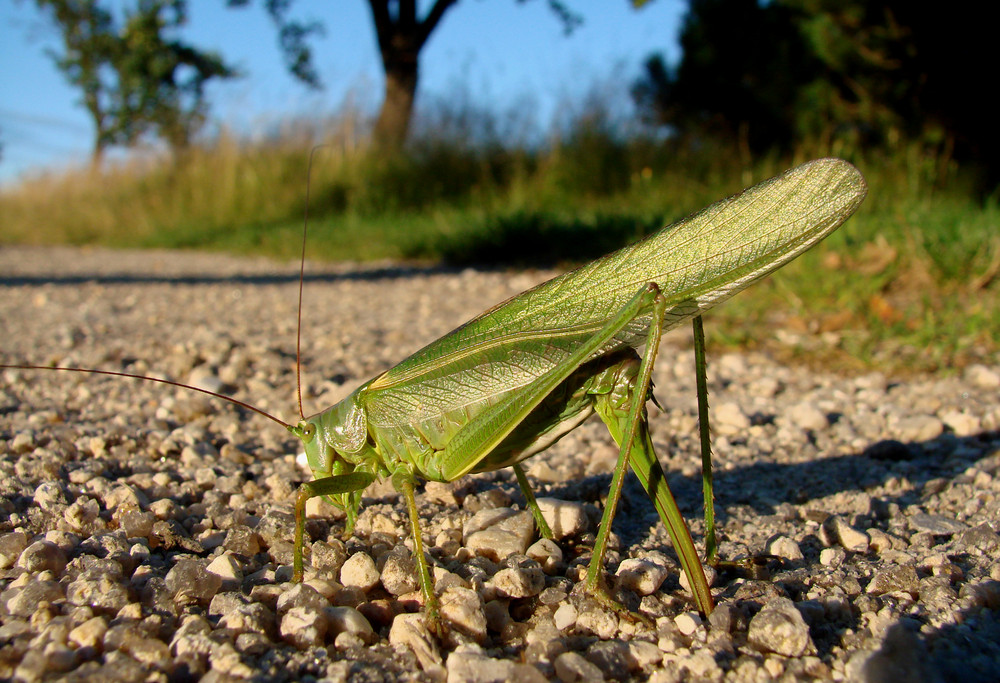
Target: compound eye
[308,430]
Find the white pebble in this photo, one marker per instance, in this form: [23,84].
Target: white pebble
[565,518]
[565,616]
[785,547]
[641,575]
[729,419]
[359,570]
[687,622]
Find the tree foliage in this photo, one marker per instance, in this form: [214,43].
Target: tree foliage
[862,71]
[136,81]
[293,39]
[742,67]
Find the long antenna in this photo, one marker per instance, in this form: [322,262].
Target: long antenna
[151,379]
[302,277]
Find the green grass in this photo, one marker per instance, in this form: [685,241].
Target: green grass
[910,283]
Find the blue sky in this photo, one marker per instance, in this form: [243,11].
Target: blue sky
[499,53]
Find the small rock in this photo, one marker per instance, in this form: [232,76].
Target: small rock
[983,377]
[409,630]
[918,428]
[329,589]
[328,557]
[729,419]
[895,578]
[641,575]
[359,570]
[349,620]
[982,538]
[22,442]
[645,654]
[496,544]
[832,557]
[552,596]
[519,582]
[611,657]
[486,518]
[146,650]
[847,536]
[547,553]
[90,633]
[190,582]
[11,546]
[572,667]
[191,641]
[136,523]
[961,423]
[881,541]
[565,616]
[203,378]
[565,518]
[399,573]
[98,590]
[300,595]
[601,622]
[687,622]
[702,666]
[471,665]
[42,556]
[463,609]
[254,617]
[242,540]
[710,577]
[721,618]
[225,602]
[764,387]
[780,628]
[785,547]
[50,496]
[443,493]
[84,515]
[939,525]
[807,416]
[227,568]
[124,497]
[23,601]
[304,627]
[508,535]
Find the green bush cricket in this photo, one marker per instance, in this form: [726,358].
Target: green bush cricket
[512,381]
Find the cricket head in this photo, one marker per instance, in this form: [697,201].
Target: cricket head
[342,467]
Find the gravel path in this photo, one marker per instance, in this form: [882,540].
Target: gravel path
[145,532]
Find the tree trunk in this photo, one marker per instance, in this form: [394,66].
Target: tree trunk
[401,35]
[397,106]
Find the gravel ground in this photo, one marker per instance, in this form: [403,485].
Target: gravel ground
[146,532]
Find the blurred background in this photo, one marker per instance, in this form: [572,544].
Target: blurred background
[523,133]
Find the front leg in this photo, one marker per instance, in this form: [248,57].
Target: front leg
[335,485]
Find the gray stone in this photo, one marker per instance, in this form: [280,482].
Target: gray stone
[780,628]
[191,582]
[891,579]
[572,668]
[938,525]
